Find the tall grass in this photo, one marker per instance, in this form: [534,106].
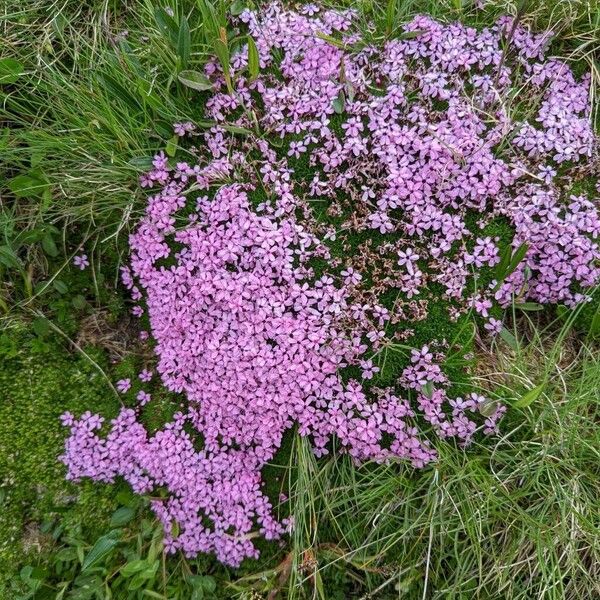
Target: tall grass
[515,519]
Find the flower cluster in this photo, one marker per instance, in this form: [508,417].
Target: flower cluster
[266,313]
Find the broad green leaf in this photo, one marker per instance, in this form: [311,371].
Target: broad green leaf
[197,594]
[40,326]
[49,245]
[339,103]
[529,306]
[166,25]
[184,42]
[428,389]
[230,128]
[195,80]
[60,286]
[121,516]
[24,186]
[79,302]
[503,264]
[530,397]
[509,263]
[102,548]
[237,7]
[66,555]
[138,580]
[253,59]
[517,257]
[488,408]
[8,258]
[235,129]
[10,70]
[127,498]
[410,35]
[141,162]
[509,338]
[171,148]
[222,52]
[331,40]
[133,567]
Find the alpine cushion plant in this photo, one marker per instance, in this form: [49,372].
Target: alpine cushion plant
[267,314]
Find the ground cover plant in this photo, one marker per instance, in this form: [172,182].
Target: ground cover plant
[363,269]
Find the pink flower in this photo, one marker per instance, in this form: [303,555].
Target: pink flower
[145,375]
[81,261]
[123,385]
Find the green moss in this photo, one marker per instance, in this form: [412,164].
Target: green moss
[37,389]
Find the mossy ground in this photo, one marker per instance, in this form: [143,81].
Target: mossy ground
[36,390]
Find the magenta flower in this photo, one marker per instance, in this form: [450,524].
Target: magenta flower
[143,397]
[182,129]
[123,385]
[263,286]
[145,375]
[81,261]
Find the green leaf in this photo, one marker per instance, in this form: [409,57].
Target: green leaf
[121,516]
[594,330]
[143,163]
[102,548]
[410,35]
[66,555]
[26,186]
[509,338]
[166,25]
[137,581]
[60,286]
[184,42]
[253,59]
[331,40]
[118,92]
[49,245]
[222,51]
[210,585]
[237,7]
[127,498]
[197,594]
[171,148]
[10,70]
[509,263]
[40,326]
[9,258]
[206,583]
[390,16]
[503,264]
[195,80]
[530,397]
[428,389]
[339,103]
[488,408]
[79,302]
[133,567]
[529,306]
[516,259]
